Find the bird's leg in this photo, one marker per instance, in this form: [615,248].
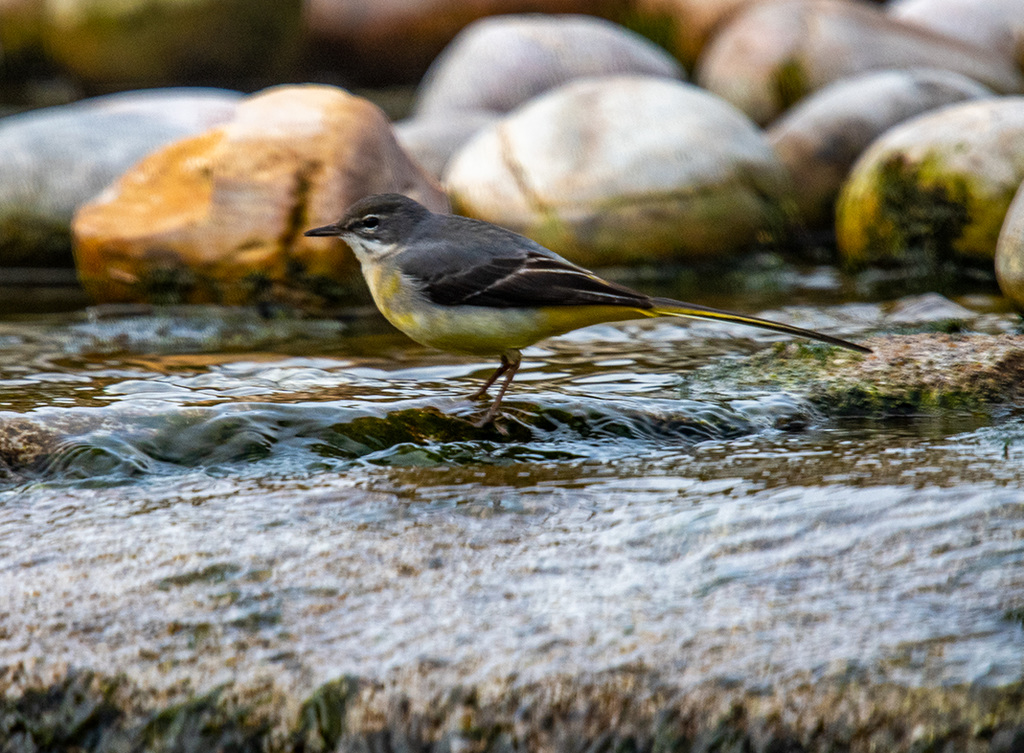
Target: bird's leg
[505,366]
[511,366]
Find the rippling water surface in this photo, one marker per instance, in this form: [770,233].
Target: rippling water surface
[206,494]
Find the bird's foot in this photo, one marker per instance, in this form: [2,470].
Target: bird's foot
[488,418]
[509,368]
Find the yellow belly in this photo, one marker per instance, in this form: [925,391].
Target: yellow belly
[480,330]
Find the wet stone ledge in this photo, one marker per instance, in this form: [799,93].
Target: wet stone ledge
[629,710]
[904,375]
[793,386]
[124,441]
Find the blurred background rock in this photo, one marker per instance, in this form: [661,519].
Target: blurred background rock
[463,80]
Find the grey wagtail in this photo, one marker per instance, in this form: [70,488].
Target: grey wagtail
[467,286]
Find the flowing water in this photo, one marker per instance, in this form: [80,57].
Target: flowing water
[205,496]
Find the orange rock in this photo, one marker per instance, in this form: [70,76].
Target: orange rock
[219,217]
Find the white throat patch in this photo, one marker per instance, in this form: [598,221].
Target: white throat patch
[368,250]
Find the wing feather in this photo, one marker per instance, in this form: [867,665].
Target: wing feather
[496,268]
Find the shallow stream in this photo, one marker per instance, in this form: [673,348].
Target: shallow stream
[204,496]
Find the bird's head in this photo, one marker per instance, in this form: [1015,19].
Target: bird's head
[376,225]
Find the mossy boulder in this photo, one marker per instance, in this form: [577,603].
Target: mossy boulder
[935,188]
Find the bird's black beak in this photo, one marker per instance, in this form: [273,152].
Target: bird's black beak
[325,231]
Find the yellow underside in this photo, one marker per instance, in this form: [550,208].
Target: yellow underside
[481,330]
[487,331]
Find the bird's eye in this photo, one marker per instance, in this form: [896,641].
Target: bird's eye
[371,221]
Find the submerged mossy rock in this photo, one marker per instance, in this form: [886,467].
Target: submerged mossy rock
[88,711]
[24,443]
[61,444]
[935,188]
[113,44]
[219,218]
[774,53]
[904,375]
[625,169]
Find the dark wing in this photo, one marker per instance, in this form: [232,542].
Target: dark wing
[496,268]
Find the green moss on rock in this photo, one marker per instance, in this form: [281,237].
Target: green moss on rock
[29,240]
[906,375]
[926,215]
[322,719]
[789,83]
[902,212]
[205,722]
[118,45]
[659,27]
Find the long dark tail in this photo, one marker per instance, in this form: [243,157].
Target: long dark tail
[668,307]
